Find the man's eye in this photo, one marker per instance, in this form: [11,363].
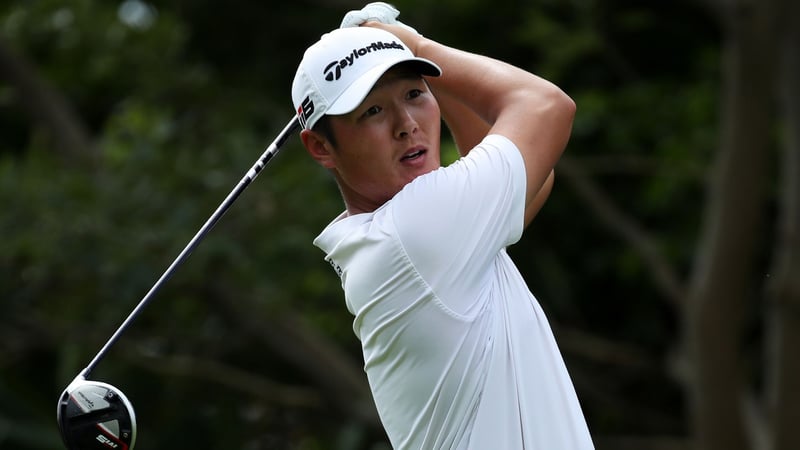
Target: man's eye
[414,93]
[371,111]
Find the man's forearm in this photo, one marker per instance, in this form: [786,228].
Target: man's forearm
[467,128]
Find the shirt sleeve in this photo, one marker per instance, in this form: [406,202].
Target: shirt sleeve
[453,222]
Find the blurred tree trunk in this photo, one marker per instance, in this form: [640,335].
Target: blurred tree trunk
[784,293]
[47,107]
[721,284]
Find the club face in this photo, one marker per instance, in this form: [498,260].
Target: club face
[95,415]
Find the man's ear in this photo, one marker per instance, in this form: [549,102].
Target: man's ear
[318,147]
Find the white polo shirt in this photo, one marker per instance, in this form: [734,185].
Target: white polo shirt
[457,351]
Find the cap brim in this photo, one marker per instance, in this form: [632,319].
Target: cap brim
[351,97]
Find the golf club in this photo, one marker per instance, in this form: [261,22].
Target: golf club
[95,415]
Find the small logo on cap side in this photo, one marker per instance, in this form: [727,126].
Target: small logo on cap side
[305,111]
[333,71]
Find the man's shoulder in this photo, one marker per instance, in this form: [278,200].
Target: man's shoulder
[339,229]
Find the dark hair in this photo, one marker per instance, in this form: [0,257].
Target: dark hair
[323,127]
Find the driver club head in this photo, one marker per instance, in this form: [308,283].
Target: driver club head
[93,415]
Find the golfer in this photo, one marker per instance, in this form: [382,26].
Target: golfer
[457,351]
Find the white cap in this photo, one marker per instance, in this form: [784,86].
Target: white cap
[340,69]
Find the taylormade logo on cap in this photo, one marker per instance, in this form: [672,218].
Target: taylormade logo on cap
[340,69]
[333,71]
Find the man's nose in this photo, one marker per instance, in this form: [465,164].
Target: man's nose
[406,123]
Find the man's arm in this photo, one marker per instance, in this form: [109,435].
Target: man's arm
[532,112]
[469,129]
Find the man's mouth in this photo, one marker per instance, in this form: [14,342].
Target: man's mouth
[413,155]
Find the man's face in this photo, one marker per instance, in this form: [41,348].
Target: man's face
[391,138]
